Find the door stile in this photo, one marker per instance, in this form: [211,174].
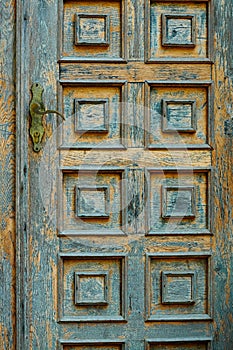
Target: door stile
[222,188]
[22,320]
[34,58]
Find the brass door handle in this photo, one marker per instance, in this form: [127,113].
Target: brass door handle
[37,111]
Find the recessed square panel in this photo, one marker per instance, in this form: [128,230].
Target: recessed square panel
[91,288]
[178,30]
[178,201]
[178,287]
[92,344]
[92,201]
[178,344]
[91,115]
[179,116]
[92,29]
[95,115]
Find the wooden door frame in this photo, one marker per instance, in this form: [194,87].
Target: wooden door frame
[222,174]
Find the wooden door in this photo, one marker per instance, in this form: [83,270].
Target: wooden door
[121,233]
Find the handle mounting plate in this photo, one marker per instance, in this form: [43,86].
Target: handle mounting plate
[37,111]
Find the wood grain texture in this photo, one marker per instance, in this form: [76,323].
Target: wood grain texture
[157,135]
[122,316]
[198,223]
[91,137]
[37,245]
[223,179]
[135,72]
[143,158]
[7,175]
[135,44]
[112,47]
[186,264]
[181,40]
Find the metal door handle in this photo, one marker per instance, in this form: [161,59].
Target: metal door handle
[37,111]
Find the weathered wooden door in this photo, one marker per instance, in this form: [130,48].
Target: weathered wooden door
[121,225]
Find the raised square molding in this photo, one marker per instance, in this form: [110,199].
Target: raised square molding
[91,115]
[92,29]
[179,115]
[178,30]
[97,114]
[178,287]
[178,202]
[174,209]
[91,288]
[92,201]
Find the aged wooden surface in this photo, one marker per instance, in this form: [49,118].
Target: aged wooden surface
[37,244]
[135,72]
[176,30]
[117,249]
[162,158]
[7,176]
[223,179]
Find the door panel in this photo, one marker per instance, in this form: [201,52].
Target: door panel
[92,288]
[177,30]
[119,254]
[123,200]
[178,202]
[107,345]
[93,30]
[92,202]
[184,345]
[95,108]
[178,287]
[185,110]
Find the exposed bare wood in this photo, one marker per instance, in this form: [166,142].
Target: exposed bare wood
[136,72]
[223,179]
[7,176]
[125,229]
[136,157]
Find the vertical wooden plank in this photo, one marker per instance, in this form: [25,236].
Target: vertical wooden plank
[7,175]
[136,200]
[43,242]
[222,181]
[135,33]
[22,126]
[36,221]
[135,110]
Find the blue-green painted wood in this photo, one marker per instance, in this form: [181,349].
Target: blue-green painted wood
[141,305]
[7,176]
